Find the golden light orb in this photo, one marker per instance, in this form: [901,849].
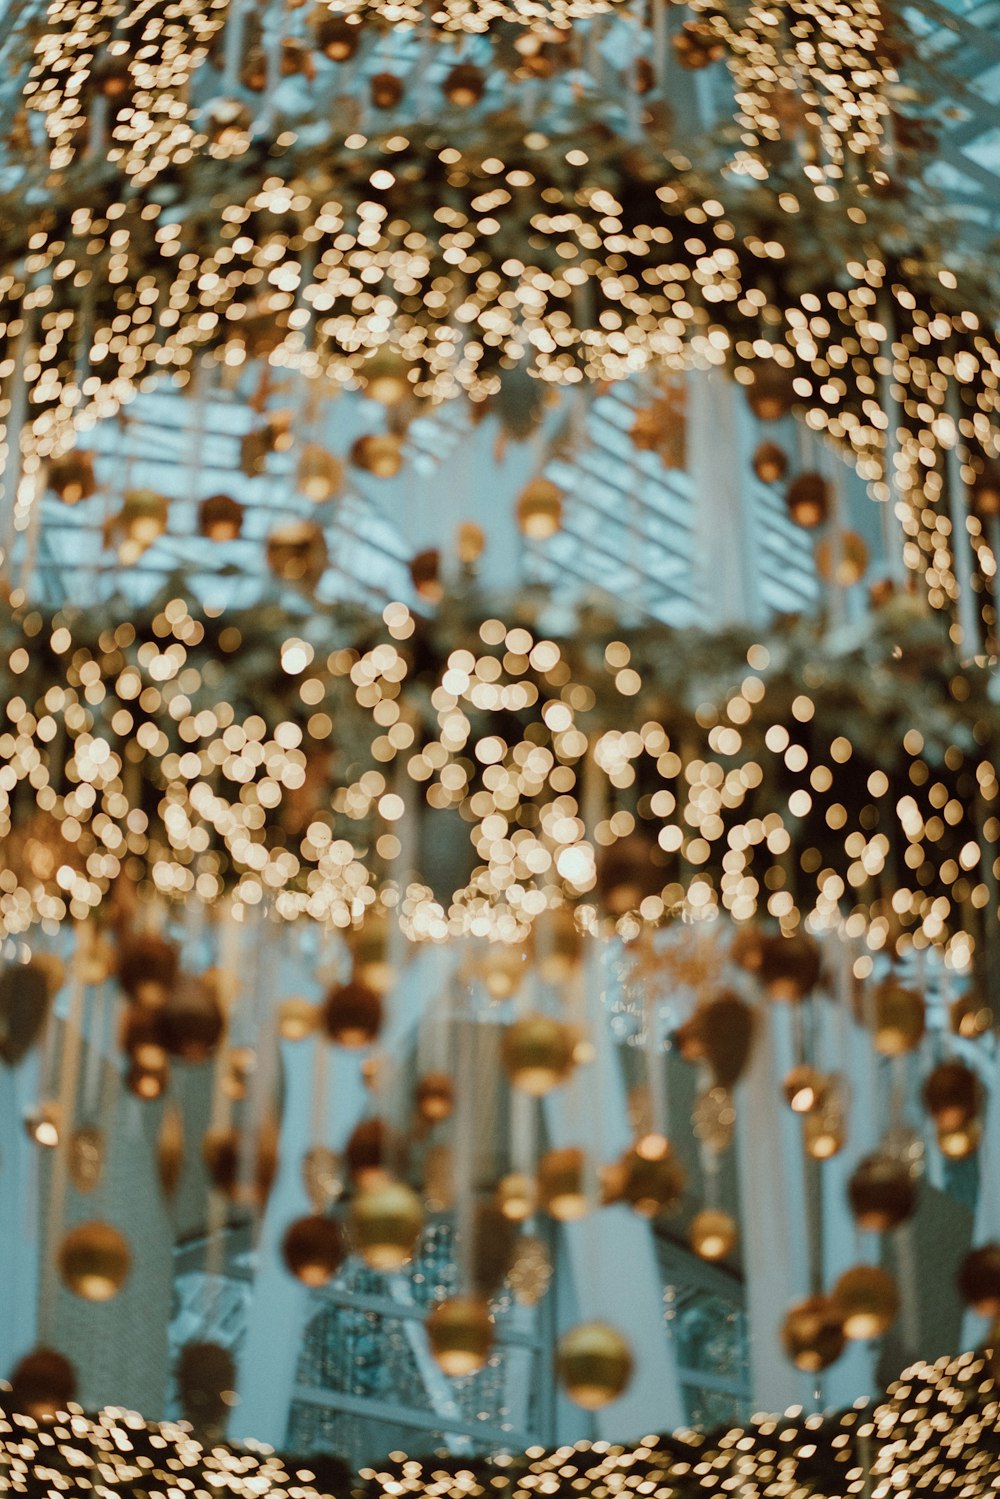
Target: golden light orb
[594,1364]
[460,1334]
[537,1053]
[811,1334]
[94,1261]
[866,1301]
[385,1225]
[714,1234]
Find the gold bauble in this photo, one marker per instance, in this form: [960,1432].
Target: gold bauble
[191,1022]
[561,1188]
[297,1019]
[842,559]
[865,1301]
[42,1384]
[386,91]
[385,377]
[725,1030]
[386,1220]
[979,1280]
[790,966]
[558,945]
[379,454]
[470,543]
[144,516]
[460,1334]
[502,968]
[313,1249]
[540,509]
[770,463]
[882,1193]
[772,394]
[804,1089]
[148,1083]
[435,1097]
[94,1261]
[464,85]
[899,1019]
[296,553]
[629,870]
[148,968]
[41,1125]
[594,1364]
[425,575]
[352,1015]
[71,477]
[517,1196]
[714,1234]
[220,518]
[142,1037]
[970,1016]
[337,37]
[319,474]
[986,489]
[537,1053]
[807,500]
[952,1095]
[652,1178]
[958,1144]
[823,1134]
[812,1335]
[370,1150]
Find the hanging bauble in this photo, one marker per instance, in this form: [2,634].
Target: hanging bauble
[94,1261]
[812,1335]
[645,77]
[170,1149]
[464,85]
[539,509]
[297,1019]
[370,1149]
[379,454]
[295,58]
[206,1376]
[842,559]
[979,1280]
[772,393]
[86,1157]
[386,1220]
[71,477]
[41,1125]
[696,46]
[594,1364]
[803,1088]
[253,74]
[425,575]
[296,553]
[653,1179]
[337,37]
[322,1177]
[790,966]
[386,90]
[713,1118]
[726,1029]
[460,1334]
[558,945]
[385,377]
[823,1131]
[714,1234]
[899,1019]
[537,1053]
[227,125]
[369,944]
[882,1193]
[986,489]
[192,1022]
[142,1038]
[628,870]
[952,1095]
[42,1385]
[770,463]
[25,1001]
[313,1249]
[958,1144]
[319,475]
[143,516]
[220,518]
[148,968]
[220,1154]
[112,76]
[517,1196]
[502,968]
[470,543]
[865,1301]
[531,1271]
[148,1083]
[970,1016]
[561,1187]
[435,1097]
[352,1015]
[807,500]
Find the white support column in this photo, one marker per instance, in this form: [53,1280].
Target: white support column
[725,536]
[20,1205]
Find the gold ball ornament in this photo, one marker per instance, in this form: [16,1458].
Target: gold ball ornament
[952,1095]
[369,1149]
[770,463]
[296,553]
[594,1364]
[790,966]
[148,1083]
[192,1023]
[313,1249]
[41,1125]
[297,1019]
[42,1384]
[384,377]
[714,1234]
[771,394]
[143,516]
[386,91]
[517,1196]
[970,1016]
[206,1375]
[865,1301]
[147,969]
[220,518]
[502,969]
[435,1097]
[460,1334]
[823,1134]
[958,1144]
[352,1015]
[882,1193]
[537,1053]
[71,477]
[337,37]
[804,1089]
[842,559]
[464,85]
[558,945]
[319,474]
[425,575]
[220,1154]
[807,500]
[811,1334]
[94,1261]
[379,454]
[653,1179]
[561,1188]
[386,1220]
[369,945]
[470,543]
[899,1019]
[979,1280]
[539,510]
